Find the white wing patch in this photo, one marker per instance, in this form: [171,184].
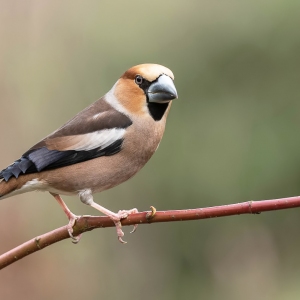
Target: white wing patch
[93,140]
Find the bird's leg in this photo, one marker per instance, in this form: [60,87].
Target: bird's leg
[72,217]
[87,198]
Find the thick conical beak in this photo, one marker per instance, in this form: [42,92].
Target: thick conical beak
[163,90]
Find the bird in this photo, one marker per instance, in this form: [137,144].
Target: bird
[101,147]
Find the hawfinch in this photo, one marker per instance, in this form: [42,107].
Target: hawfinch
[102,146]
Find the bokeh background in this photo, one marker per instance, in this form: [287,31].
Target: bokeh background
[232,136]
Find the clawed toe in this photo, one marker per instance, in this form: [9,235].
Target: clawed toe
[123,214]
[72,221]
[75,239]
[135,226]
[120,232]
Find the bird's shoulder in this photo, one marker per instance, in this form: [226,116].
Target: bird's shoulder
[100,118]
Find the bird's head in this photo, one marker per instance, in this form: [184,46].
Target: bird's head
[146,88]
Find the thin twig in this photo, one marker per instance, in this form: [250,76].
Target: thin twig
[88,223]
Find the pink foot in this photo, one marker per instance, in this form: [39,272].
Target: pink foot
[123,214]
[115,217]
[72,221]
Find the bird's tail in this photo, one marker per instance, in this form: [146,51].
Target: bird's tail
[7,187]
[14,186]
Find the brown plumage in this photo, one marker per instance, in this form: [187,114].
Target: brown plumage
[102,146]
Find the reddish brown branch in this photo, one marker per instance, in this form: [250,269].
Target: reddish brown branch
[87,223]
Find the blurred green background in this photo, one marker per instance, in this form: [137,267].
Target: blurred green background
[232,136]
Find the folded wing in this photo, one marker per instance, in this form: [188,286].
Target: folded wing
[96,131]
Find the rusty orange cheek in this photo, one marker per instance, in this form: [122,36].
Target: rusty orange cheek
[130,95]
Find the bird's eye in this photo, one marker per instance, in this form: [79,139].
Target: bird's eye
[138,79]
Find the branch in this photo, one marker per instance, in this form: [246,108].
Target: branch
[88,223]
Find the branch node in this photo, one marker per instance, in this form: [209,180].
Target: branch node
[151,214]
[250,209]
[37,242]
[250,206]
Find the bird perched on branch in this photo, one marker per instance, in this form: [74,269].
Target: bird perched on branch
[102,146]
